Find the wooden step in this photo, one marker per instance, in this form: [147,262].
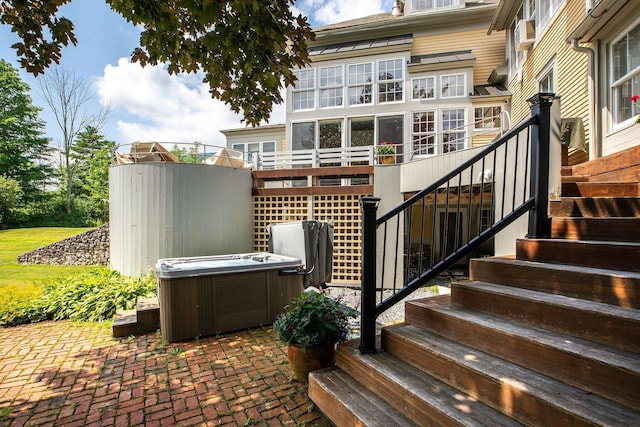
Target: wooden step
[609,255]
[600,189]
[606,286]
[618,229]
[621,166]
[148,310]
[347,403]
[423,399]
[588,207]
[527,396]
[608,372]
[603,323]
[125,323]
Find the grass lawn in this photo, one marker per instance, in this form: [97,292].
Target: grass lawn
[18,241]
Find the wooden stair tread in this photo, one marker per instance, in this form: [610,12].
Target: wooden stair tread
[565,343]
[602,254]
[599,189]
[125,317]
[595,207]
[145,304]
[594,321]
[345,394]
[592,307]
[426,399]
[522,381]
[621,229]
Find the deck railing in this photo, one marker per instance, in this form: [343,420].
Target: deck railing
[449,220]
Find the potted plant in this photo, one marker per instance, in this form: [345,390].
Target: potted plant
[386,152]
[312,325]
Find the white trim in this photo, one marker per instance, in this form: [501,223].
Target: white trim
[435,89]
[464,85]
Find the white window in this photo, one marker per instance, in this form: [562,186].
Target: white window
[360,82]
[390,80]
[361,131]
[331,86]
[487,117]
[453,86]
[453,131]
[421,5]
[423,133]
[303,93]
[303,136]
[423,88]
[625,74]
[546,10]
[547,78]
[516,57]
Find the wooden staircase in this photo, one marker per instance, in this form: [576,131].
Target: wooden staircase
[550,337]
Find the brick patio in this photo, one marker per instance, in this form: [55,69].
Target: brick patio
[76,374]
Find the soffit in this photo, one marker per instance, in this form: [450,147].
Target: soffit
[504,14]
[605,12]
[483,93]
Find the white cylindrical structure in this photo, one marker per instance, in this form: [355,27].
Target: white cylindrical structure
[168,210]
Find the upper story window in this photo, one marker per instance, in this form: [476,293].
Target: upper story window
[424,5]
[625,74]
[423,88]
[331,87]
[453,86]
[546,9]
[250,149]
[304,90]
[487,117]
[453,130]
[360,83]
[390,80]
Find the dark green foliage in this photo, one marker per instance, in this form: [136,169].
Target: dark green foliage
[314,319]
[245,48]
[93,296]
[10,194]
[22,144]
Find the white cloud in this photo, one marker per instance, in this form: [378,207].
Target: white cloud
[162,107]
[322,12]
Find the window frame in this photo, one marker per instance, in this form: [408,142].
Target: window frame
[548,70]
[393,81]
[464,85]
[356,84]
[304,90]
[434,89]
[465,136]
[630,76]
[331,87]
[433,135]
[484,119]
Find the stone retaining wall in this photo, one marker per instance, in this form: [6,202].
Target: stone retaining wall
[88,248]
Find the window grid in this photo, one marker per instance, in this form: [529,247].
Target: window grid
[424,133]
[487,117]
[625,72]
[423,88]
[360,83]
[391,73]
[453,86]
[331,87]
[304,90]
[453,133]
[421,5]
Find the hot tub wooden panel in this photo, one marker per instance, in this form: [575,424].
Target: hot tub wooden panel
[207,305]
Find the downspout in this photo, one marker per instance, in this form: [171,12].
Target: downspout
[595,147]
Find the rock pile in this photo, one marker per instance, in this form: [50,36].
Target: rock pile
[88,248]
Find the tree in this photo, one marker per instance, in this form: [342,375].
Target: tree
[68,96]
[23,148]
[10,194]
[93,155]
[246,48]
[189,155]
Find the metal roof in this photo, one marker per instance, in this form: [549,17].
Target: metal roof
[361,44]
[443,57]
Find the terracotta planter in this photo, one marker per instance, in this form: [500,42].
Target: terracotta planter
[313,358]
[387,160]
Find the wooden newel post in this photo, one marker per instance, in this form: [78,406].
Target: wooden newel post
[539,221]
[368,275]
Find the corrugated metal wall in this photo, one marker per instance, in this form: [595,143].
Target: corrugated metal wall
[162,210]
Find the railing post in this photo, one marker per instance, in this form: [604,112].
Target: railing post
[368,275]
[539,221]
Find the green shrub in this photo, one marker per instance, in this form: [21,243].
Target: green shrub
[93,296]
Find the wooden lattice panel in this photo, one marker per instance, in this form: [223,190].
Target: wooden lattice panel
[342,209]
[275,209]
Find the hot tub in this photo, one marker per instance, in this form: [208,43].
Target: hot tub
[204,296]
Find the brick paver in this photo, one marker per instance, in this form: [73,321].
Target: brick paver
[77,374]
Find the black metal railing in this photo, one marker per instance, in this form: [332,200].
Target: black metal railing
[455,216]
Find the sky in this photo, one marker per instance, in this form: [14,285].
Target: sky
[147,104]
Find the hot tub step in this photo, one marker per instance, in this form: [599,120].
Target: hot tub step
[145,318]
